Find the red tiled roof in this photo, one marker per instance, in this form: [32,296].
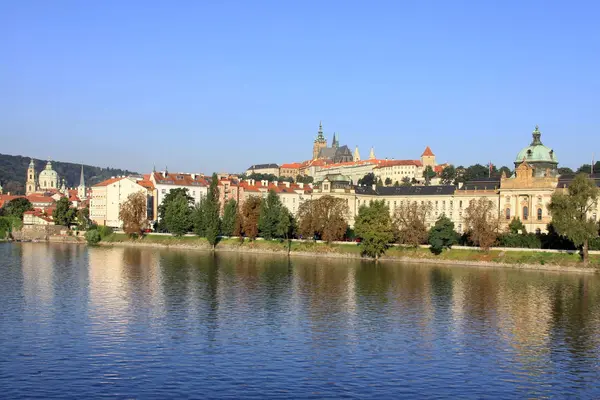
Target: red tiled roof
[108,182]
[180,179]
[45,216]
[392,163]
[427,152]
[291,166]
[40,199]
[146,183]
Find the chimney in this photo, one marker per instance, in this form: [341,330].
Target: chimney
[301,185]
[194,176]
[287,184]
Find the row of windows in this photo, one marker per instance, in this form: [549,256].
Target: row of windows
[526,213]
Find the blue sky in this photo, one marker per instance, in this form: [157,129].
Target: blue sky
[219,85]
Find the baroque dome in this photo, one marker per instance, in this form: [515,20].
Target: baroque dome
[536,152]
[48,172]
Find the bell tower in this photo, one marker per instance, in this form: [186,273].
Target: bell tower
[31,187]
[319,143]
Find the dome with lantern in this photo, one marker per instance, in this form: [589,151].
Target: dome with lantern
[542,158]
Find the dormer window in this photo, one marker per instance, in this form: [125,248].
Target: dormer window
[529,152]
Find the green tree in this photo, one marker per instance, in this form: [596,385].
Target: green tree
[178,216]
[406,182]
[92,236]
[587,168]
[506,171]
[230,214]
[373,225]
[442,235]
[565,171]
[516,226]
[212,211]
[304,179]
[64,214]
[570,212]
[270,212]
[83,218]
[428,174]
[388,181]
[17,207]
[198,218]
[448,175]
[368,180]
[169,197]
[397,184]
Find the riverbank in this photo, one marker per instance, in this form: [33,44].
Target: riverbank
[556,261]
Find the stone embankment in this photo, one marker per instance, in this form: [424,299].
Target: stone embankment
[47,233]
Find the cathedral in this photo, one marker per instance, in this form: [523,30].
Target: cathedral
[48,181]
[335,153]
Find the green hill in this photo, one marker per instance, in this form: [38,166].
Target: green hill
[13,171]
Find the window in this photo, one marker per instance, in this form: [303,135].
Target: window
[539,214]
[163,191]
[594,216]
[525,213]
[460,204]
[538,231]
[508,213]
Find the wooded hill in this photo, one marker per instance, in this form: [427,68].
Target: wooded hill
[13,171]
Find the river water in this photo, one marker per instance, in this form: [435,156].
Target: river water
[81,323]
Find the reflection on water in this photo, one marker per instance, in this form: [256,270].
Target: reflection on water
[148,323]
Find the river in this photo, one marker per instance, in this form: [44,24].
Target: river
[120,322]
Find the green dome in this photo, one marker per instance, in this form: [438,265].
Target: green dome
[536,152]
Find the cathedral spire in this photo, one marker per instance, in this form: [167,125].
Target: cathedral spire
[372,154]
[356,154]
[320,136]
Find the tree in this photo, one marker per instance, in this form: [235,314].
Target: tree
[388,181]
[92,237]
[565,171]
[230,214]
[505,170]
[304,179]
[367,180]
[169,197]
[570,212]
[373,225]
[442,235]
[587,168]
[410,223]
[270,211]
[428,174]
[249,217]
[481,220]
[285,225]
[64,214]
[17,207]
[323,218]
[448,175]
[473,172]
[178,215]
[211,212]
[83,218]
[133,213]
[406,182]
[397,184]
[516,226]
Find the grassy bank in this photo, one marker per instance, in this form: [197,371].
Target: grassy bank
[353,250]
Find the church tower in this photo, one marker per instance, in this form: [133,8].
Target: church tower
[319,143]
[31,187]
[372,154]
[356,156]
[81,187]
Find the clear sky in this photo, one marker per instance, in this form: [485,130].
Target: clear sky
[219,85]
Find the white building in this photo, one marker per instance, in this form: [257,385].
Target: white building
[107,197]
[165,181]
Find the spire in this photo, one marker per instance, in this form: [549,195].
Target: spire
[372,154]
[537,135]
[333,142]
[31,164]
[356,154]
[320,137]
[81,178]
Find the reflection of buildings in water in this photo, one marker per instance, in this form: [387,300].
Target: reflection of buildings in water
[37,264]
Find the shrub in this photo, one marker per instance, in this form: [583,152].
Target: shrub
[527,241]
[105,231]
[93,236]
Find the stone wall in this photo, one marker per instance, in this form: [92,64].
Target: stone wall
[40,232]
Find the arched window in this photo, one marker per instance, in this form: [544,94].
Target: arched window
[539,214]
[525,213]
[508,213]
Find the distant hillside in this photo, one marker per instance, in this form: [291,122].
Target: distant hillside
[13,171]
